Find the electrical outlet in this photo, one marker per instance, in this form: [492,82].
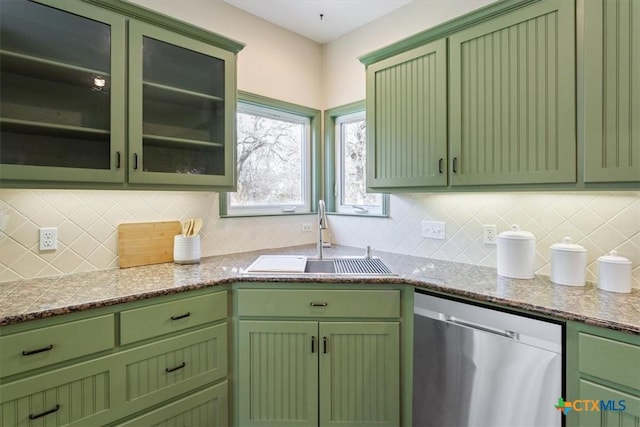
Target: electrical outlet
[49,239]
[306,227]
[490,234]
[433,230]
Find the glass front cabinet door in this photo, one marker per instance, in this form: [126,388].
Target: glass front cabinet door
[181,105]
[62,92]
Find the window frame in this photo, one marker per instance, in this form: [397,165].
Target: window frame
[313,158]
[331,148]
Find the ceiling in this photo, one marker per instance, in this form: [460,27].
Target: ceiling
[304,16]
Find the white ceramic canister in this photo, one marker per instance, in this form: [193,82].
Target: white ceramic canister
[568,263]
[186,250]
[516,253]
[614,273]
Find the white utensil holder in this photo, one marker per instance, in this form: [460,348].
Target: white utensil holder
[186,250]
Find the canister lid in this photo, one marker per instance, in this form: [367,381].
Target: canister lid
[566,245]
[613,258]
[516,233]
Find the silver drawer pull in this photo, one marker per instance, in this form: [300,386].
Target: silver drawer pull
[182,316]
[319,304]
[45,413]
[180,366]
[39,350]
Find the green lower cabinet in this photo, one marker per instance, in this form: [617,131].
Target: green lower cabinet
[165,369]
[624,408]
[359,374]
[309,373]
[204,408]
[79,395]
[278,373]
[603,377]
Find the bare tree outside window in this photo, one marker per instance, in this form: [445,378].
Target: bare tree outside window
[270,161]
[353,157]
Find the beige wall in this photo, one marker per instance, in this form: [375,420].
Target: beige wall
[344,75]
[275,62]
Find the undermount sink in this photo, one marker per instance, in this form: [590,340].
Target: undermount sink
[292,264]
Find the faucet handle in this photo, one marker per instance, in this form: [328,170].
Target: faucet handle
[367,252]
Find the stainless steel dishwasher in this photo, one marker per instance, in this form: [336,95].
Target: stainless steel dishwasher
[474,366]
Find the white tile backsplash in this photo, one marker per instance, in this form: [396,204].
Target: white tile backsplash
[87,223]
[600,221]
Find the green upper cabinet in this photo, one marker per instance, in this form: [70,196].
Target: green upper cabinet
[182,100]
[63,91]
[105,94]
[512,98]
[407,119]
[612,90]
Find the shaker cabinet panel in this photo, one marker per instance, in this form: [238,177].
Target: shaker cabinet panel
[406,115]
[612,90]
[512,98]
[63,90]
[182,102]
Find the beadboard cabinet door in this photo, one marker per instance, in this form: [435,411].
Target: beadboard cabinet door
[612,90]
[359,374]
[407,119]
[512,98]
[278,373]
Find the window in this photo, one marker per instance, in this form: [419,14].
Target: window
[348,149]
[275,154]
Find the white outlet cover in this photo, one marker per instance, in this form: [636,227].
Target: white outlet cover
[434,230]
[48,238]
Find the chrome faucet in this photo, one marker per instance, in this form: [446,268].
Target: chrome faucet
[322,225]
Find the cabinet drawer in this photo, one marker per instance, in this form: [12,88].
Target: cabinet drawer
[608,359]
[319,303]
[170,367]
[147,322]
[81,394]
[41,347]
[205,408]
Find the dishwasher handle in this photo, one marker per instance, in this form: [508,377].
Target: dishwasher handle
[501,332]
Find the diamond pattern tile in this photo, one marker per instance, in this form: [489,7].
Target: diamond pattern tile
[88,221]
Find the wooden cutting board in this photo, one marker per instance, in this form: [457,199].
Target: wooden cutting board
[144,243]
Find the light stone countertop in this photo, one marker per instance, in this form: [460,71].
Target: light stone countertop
[32,299]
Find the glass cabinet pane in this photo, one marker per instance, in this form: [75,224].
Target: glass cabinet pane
[56,87]
[183,110]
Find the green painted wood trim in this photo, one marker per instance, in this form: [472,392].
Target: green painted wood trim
[445,29]
[146,15]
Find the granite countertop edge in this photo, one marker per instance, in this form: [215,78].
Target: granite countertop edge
[411,271]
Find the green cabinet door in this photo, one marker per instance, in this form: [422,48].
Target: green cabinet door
[278,373]
[359,374]
[407,119]
[512,98]
[62,79]
[624,408]
[182,101]
[612,90]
